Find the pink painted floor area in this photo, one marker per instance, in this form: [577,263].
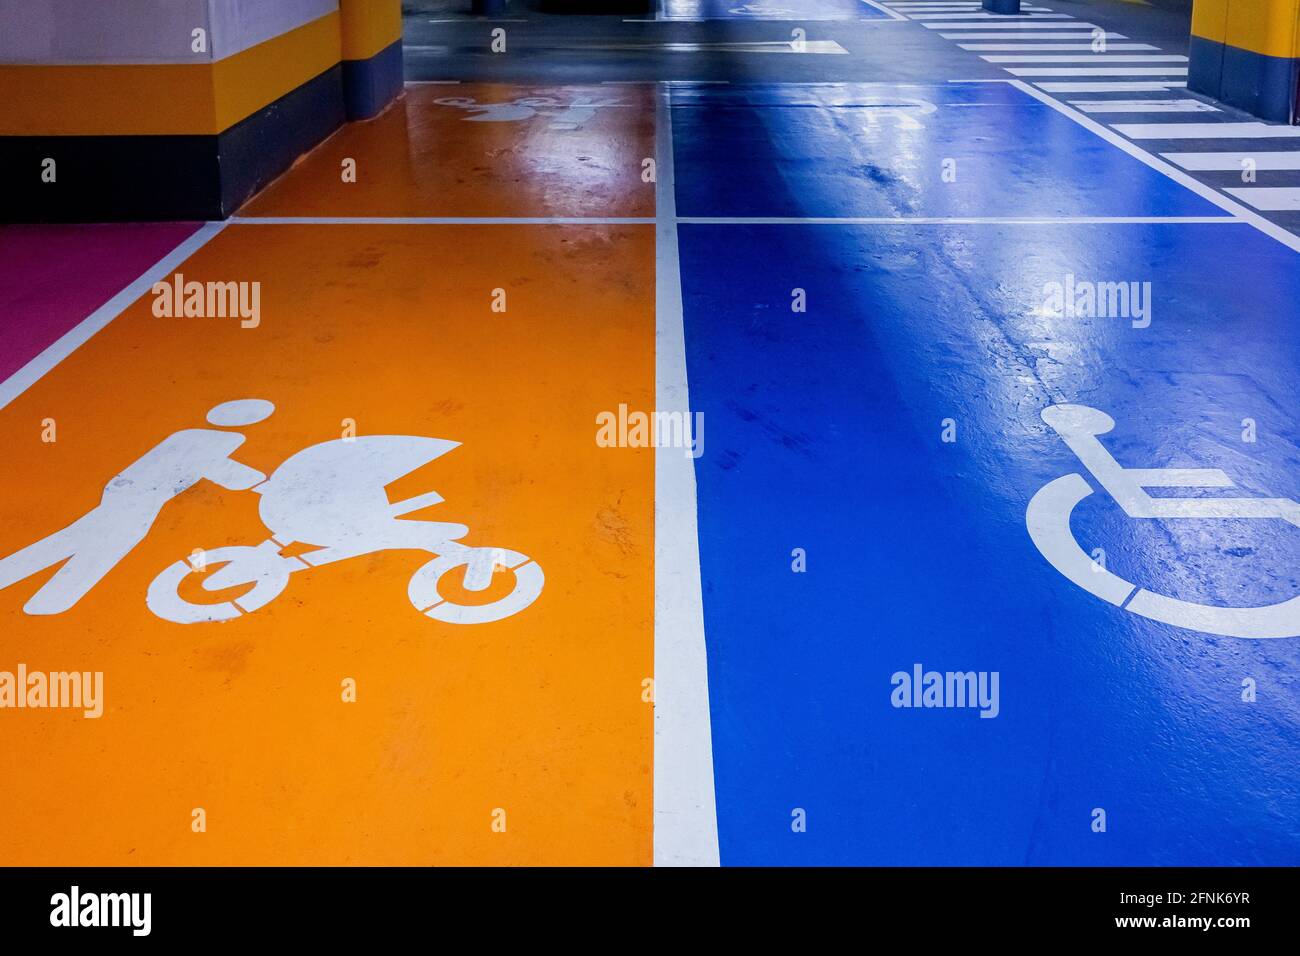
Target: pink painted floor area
[52,277]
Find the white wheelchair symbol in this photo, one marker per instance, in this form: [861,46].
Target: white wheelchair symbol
[1048,521]
[572,115]
[329,495]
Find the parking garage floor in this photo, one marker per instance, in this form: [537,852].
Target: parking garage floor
[869,436]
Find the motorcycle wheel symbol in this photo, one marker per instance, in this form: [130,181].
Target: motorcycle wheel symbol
[1048,521]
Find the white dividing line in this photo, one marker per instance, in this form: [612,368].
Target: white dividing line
[82,332]
[1029,47]
[1206,131]
[1288,239]
[763,46]
[1269,198]
[1224,162]
[441,221]
[1082,58]
[1001,24]
[952,221]
[894,15]
[1098,71]
[984,16]
[1141,86]
[1188,105]
[685,811]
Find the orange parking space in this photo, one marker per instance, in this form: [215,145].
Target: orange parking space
[481,150]
[523,740]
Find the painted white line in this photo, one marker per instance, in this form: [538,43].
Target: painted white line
[1029,36]
[952,221]
[1082,58]
[1141,86]
[1206,131]
[1025,25]
[432,83]
[766,46]
[1029,47]
[985,17]
[1098,71]
[1188,105]
[1222,162]
[685,811]
[1269,198]
[1210,195]
[440,221]
[894,16]
[82,332]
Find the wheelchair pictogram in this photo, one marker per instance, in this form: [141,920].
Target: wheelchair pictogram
[1048,521]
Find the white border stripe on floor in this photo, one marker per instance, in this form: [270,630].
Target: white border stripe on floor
[685,813]
[82,332]
[1271,229]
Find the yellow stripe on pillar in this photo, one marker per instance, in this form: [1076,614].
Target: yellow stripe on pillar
[164,99]
[1268,27]
[1210,20]
[369,26]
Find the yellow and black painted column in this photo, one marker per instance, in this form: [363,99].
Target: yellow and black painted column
[372,55]
[178,110]
[1246,53]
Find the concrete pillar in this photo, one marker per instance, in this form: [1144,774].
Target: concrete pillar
[372,55]
[123,109]
[1246,53]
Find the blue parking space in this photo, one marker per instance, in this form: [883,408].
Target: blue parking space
[772,10]
[883,150]
[848,548]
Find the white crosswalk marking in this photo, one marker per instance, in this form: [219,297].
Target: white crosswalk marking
[1220,162]
[1138,86]
[1269,198]
[1005,24]
[1099,71]
[1206,131]
[1031,47]
[1067,49]
[1081,58]
[1031,36]
[1188,105]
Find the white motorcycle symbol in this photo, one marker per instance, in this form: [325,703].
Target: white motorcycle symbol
[1048,521]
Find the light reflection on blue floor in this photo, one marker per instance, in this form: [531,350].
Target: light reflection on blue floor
[825,435]
[853,149]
